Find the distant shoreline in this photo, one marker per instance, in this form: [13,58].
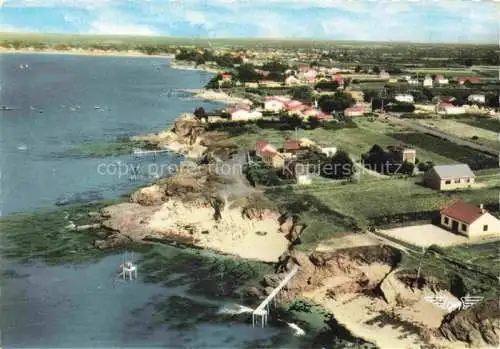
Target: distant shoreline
[82,52]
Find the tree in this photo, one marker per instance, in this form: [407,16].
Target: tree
[313,122]
[376,70]
[336,102]
[341,166]
[357,69]
[327,85]
[200,113]
[246,73]
[303,93]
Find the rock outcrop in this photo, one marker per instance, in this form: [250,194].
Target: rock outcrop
[477,326]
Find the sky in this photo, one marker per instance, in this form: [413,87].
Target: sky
[459,21]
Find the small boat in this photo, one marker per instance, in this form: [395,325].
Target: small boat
[5,108]
[97,107]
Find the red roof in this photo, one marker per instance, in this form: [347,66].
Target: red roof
[291,145]
[473,79]
[439,77]
[293,105]
[357,108]
[445,105]
[270,153]
[264,147]
[463,212]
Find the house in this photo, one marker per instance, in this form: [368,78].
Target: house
[251,85]
[292,81]
[427,81]
[269,154]
[449,177]
[384,75]
[441,80]
[357,110]
[477,98]
[294,107]
[339,79]
[275,104]
[471,79]
[245,115]
[408,155]
[328,151]
[449,109]
[238,106]
[469,220]
[291,146]
[308,76]
[269,83]
[227,76]
[262,72]
[414,82]
[404,98]
[304,67]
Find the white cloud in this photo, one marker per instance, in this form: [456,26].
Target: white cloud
[195,17]
[58,3]
[105,27]
[9,28]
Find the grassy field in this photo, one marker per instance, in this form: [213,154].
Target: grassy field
[492,125]
[446,71]
[462,270]
[356,141]
[475,159]
[465,131]
[329,208]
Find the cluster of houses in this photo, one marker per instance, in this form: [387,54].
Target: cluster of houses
[271,156]
[440,80]
[460,217]
[280,104]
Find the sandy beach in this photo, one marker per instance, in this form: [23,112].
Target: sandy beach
[82,52]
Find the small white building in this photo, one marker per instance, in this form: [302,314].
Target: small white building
[405,98]
[428,81]
[328,151]
[292,81]
[251,85]
[245,115]
[304,179]
[477,98]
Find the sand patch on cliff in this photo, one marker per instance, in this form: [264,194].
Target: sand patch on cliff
[232,233]
[371,318]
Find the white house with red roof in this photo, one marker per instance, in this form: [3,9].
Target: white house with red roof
[469,220]
[269,154]
[448,108]
[356,110]
[275,104]
[339,79]
[294,107]
[441,80]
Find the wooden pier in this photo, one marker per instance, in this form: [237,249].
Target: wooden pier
[262,310]
[138,152]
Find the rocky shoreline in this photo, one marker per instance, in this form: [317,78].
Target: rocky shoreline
[357,282]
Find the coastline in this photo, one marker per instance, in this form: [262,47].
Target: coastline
[83,52]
